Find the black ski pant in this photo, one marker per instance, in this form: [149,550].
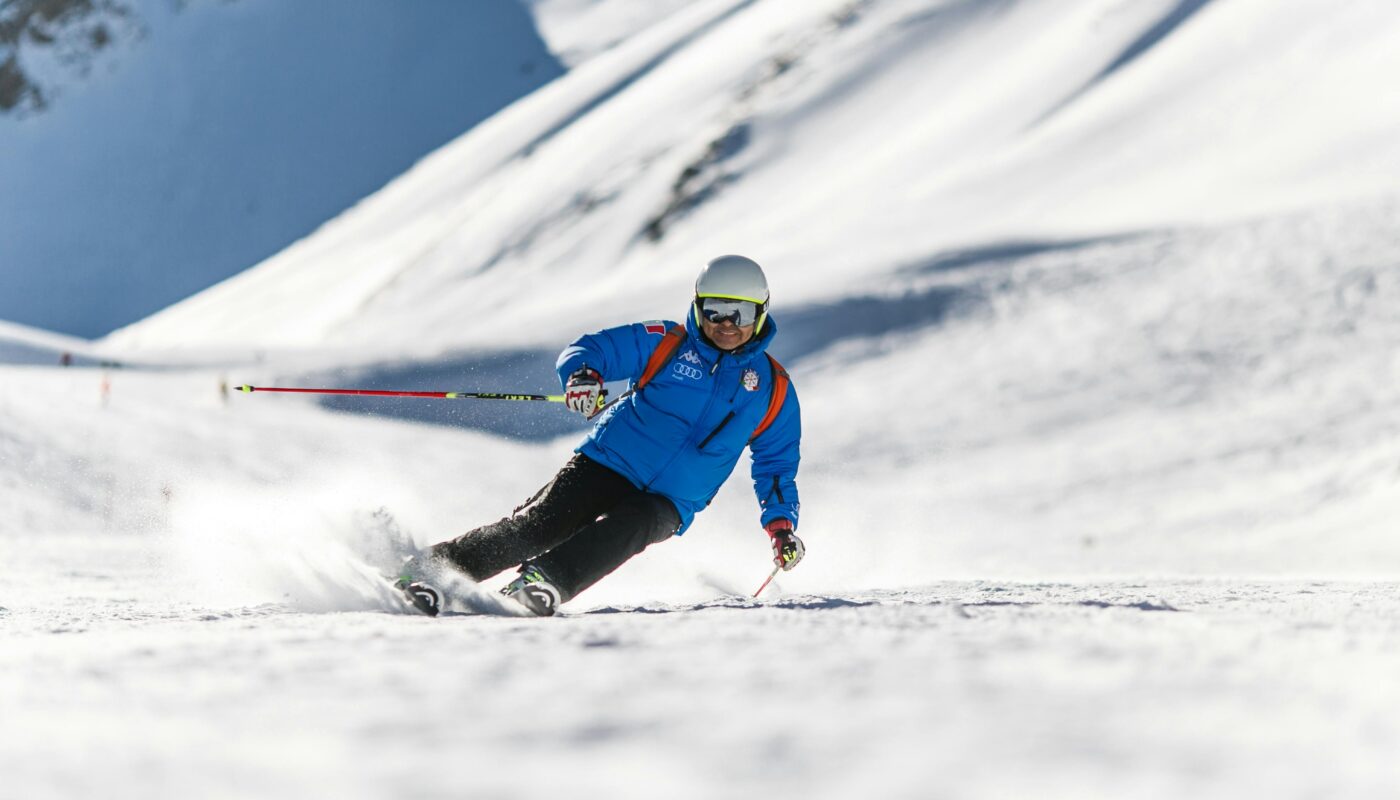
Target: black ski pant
[582,525]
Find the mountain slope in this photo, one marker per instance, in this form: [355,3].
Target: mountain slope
[1048,391]
[837,142]
[226,131]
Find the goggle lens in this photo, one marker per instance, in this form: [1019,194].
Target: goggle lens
[720,309]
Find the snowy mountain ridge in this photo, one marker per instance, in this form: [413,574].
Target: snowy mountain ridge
[206,136]
[840,143]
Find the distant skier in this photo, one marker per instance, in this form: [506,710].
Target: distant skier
[700,394]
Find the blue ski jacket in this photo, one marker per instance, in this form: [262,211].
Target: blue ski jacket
[682,434]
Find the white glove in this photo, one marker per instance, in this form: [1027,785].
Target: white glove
[583,391]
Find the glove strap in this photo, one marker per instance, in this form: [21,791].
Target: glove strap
[778,527]
[586,372]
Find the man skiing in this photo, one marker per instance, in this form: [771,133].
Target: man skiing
[700,394]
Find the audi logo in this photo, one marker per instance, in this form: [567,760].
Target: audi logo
[688,371]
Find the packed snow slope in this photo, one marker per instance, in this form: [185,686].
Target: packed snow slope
[169,553]
[979,690]
[199,138]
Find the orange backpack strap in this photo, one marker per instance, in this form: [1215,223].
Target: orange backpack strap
[775,400]
[670,343]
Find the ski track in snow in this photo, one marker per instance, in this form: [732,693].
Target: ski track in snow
[1102,688]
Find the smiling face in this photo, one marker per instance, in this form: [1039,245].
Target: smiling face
[726,335]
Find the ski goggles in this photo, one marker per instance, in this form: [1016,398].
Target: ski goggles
[719,310]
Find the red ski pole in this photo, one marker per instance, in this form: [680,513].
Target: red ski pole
[771,576]
[544,398]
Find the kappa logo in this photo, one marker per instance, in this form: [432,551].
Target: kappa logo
[692,357]
[683,370]
[750,380]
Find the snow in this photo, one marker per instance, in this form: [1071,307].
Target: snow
[577,30]
[835,143]
[21,344]
[224,132]
[1090,306]
[977,689]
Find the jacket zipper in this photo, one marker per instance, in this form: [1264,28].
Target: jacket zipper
[709,403]
[716,431]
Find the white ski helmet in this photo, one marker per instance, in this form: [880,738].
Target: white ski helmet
[735,278]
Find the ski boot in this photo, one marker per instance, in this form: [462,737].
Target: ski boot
[533,591]
[413,581]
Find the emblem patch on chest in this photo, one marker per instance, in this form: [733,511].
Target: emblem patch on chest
[751,380]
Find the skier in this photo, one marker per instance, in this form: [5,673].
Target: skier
[700,394]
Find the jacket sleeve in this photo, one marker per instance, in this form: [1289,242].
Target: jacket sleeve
[776,453]
[617,354]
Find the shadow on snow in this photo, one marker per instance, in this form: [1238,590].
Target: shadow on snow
[806,330]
